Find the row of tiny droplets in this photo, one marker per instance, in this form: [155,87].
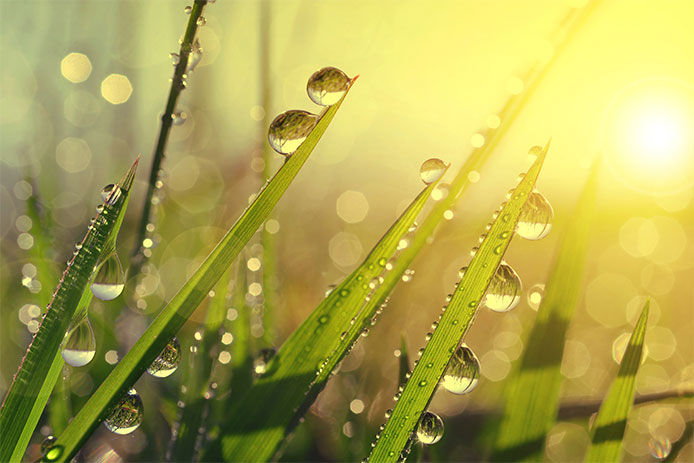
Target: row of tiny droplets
[462,373]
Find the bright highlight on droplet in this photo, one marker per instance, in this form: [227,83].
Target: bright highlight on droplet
[116,89]
[647,135]
[76,67]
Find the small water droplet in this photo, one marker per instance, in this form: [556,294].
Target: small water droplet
[535,151]
[187,9]
[323,319]
[430,428]
[289,130]
[423,383]
[503,293]
[329,290]
[431,170]
[109,278]
[463,371]
[167,362]
[327,86]
[79,345]
[535,219]
[127,415]
[389,413]
[194,57]
[261,361]
[535,295]
[344,292]
[201,21]
[175,58]
[178,118]
[660,447]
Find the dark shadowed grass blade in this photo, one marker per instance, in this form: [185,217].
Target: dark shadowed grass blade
[42,362]
[453,324]
[533,395]
[262,418]
[184,303]
[609,426]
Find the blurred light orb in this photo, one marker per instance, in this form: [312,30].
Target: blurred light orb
[477,140]
[76,67]
[648,135]
[352,206]
[116,88]
[514,85]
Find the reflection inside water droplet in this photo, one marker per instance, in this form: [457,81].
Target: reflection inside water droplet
[535,295]
[327,86]
[430,428]
[167,362]
[289,130]
[127,415]
[504,291]
[463,371]
[535,220]
[109,278]
[431,170]
[79,345]
[261,361]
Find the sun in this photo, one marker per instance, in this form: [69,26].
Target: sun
[648,135]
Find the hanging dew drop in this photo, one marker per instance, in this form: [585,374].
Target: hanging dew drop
[430,428]
[127,415]
[79,345]
[327,86]
[175,58]
[289,130]
[167,362]
[463,371]
[187,9]
[431,170]
[535,220]
[194,57]
[261,361]
[660,448]
[108,197]
[504,291]
[109,278]
[535,295]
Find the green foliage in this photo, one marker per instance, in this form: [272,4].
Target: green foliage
[42,362]
[532,399]
[453,324]
[608,428]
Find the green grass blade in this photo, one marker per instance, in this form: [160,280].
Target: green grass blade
[454,322]
[533,396]
[271,409]
[182,305]
[42,362]
[611,421]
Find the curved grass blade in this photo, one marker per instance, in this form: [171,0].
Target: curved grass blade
[532,400]
[611,421]
[182,305]
[274,405]
[42,362]
[454,322]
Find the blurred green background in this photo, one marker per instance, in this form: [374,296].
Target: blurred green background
[82,87]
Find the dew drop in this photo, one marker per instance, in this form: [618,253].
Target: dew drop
[47,443]
[261,361]
[167,362]
[329,290]
[430,428]
[535,151]
[106,194]
[535,220]
[79,345]
[660,447]
[175,58]
[289,130]
[187,9]
[503,293]
[194,57]
[109,278]
[178,118]
[535,295]
[127,415]
[463,371]
[431,170]
[201,21]
[327,86]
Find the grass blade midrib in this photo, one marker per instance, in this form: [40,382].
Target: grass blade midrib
[181,306]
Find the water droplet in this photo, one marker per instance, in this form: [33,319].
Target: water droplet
[201,21]
[323,319]
[503,293]
[423,383]
[535,220]
[79,345]
[175,58]
[289,130]
[535,151]
[47,444]
[127,415]
[167,362]
[109,278]
[187,9]
[106,194]
[660,447]
[535,295]
[463,371]
[194,57]
[327,86]
[430,428]
[344,292]
[263,358]
[431,170]
[178,118]
[329,290]
[389,413]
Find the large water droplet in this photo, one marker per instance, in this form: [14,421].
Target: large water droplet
[504,291]
[535,295]
[109,198]
[109,279]
[431,170]
[167,362]
[327,86]
[535,220]
[261,361]
[660,447]
[127,415]
[463,371]
[289,130]
[430,428]
[79,345]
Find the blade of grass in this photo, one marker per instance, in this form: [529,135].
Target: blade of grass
[532,400]
[182,305]
[609,426]
[272,408]
[42,363]
[454,323]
